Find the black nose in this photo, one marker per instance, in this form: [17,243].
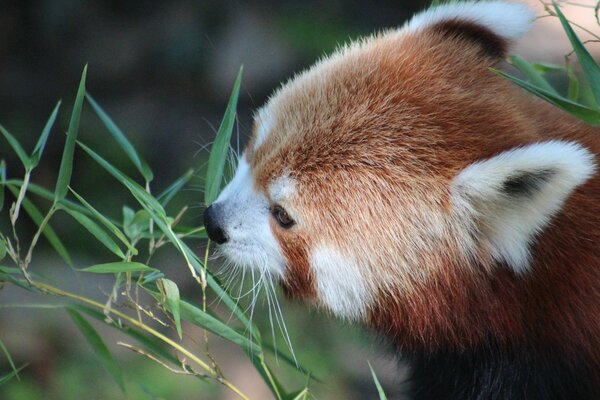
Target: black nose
[211,223]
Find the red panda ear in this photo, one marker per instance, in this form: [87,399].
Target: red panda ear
[492,25]
[511,197]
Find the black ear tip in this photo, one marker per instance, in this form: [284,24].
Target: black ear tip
[526,183]
[490,43]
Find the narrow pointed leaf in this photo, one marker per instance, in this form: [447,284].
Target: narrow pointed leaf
[2,249]
[382,395]
[115,267]
[573,90]
[303,394]
[41,144]
[171,291]
[48,195]
[545,68]
[66,163]
[219,149]
[150,343]
[97,344]
[588,64]
[2,182]
[9,358]
[106,222]
[16,146]
[48,232]
[196,316]
[12,374]
[586,114]
[97,231]
[156,211]
[122,140]
[166,196]
[531,73]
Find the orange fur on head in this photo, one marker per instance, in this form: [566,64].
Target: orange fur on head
[432,198]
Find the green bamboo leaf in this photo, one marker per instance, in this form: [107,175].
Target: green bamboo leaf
[171,292]
[48,232]
[218,152]
[106,222]
[48,195]
[2,182]
[120,137]
[196,316]
[121,266]
[9,376]
[97,231]
[531,73]
[41,144]
[97,344]
[382,395]
[303,394]
[14,143]
[2,249]
[545,68]
[589,66]
[66,163]
[165,197]
[586,114]
[573,90]
[157,212]
[268,376]
[150,343]
[9,358]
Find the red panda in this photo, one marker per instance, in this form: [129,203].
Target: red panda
[401,184]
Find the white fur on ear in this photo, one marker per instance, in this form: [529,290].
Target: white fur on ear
[507,20]
[513,195]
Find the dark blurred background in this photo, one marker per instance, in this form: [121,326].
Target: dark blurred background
[163,71]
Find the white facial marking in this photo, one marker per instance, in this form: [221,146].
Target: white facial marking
[245,217]
[264,124]
[340,284]
[508,20]
[511,222]
[282,188]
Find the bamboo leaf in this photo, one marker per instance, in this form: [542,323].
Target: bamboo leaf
[166,196]
[2,249]
[9,376]
[66,163]
[9,358]
[48,232]
[122,140]
[156,211]
[382,395]
[97,231]
[16,146]
[48,195]
[97,344]
[573,90]
[171,292]
[218,152]
[121,266]
[106,222]
[149,342]
[582,112]
[531,73]
[545,68]
[2,182]
[589,66]
[41,144]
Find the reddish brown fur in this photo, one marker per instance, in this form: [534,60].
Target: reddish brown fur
[408,114]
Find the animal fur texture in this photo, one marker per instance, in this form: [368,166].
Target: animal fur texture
[401,184]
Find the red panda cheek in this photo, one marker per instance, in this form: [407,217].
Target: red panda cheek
[298,282]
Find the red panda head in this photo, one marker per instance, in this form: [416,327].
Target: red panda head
[397,167]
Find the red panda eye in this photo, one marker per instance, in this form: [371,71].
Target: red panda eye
[282,217]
